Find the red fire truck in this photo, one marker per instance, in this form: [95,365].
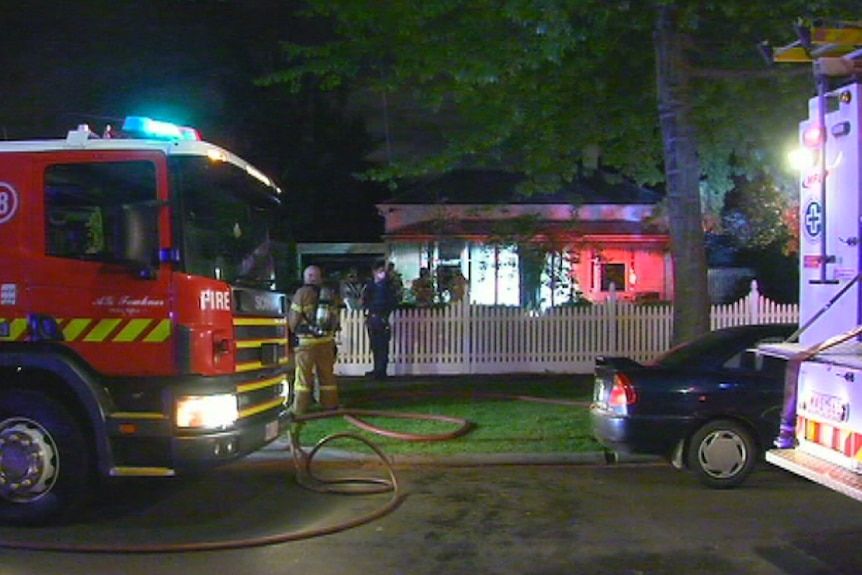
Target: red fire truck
[825,428]
[140,330]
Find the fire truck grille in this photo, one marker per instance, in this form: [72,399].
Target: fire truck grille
[254,399]
[274,329]
[260,342]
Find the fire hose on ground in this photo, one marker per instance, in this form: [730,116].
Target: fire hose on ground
[308,479]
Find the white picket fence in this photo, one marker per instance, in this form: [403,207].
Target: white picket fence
[474,339]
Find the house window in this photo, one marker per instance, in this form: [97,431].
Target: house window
[449,251]
[559,283]
[613,274]
[494,275]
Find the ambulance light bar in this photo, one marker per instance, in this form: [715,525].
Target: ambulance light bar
[142,126]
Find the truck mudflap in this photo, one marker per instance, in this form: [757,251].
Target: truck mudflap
[818,470]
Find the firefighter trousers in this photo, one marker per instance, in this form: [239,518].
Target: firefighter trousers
[315,357]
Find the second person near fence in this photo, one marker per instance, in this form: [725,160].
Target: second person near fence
[378,301]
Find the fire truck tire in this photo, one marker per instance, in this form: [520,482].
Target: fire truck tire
[722,454]
[45,463]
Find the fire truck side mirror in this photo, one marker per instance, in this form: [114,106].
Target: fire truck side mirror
[136,237]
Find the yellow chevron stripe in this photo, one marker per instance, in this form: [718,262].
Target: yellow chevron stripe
[73,330]
[102,330]
[17,327]
[160,333]
[132,330]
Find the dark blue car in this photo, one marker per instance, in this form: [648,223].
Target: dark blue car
[711,405]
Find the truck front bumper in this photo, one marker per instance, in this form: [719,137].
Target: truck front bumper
[191,452]
[163,454]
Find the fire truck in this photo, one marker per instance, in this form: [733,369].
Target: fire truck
[140,330]
[824,387]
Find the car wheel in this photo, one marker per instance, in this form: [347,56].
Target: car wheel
[722,454]
[45,464]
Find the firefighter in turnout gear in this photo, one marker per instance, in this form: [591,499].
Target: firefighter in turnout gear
[313,317]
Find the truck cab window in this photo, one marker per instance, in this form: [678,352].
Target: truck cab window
[82,200]
[225,216]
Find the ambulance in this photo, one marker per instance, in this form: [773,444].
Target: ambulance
[141,334]
[824,387]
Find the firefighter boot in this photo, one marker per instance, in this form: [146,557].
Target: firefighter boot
[329,397]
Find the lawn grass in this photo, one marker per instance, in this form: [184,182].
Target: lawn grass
[510,414]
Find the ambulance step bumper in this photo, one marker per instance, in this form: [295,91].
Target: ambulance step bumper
[828,474]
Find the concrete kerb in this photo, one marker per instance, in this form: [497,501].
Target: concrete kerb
[281,449]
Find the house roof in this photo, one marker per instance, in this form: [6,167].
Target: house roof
[501,187]
[472,229]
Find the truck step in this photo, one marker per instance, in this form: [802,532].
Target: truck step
[825,473]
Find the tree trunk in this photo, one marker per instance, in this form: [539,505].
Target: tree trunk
[682,172]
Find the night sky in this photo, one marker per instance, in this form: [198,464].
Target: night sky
[194,63]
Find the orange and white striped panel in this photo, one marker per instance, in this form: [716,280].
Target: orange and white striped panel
[842,440]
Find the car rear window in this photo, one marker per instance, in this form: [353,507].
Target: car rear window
[714,344]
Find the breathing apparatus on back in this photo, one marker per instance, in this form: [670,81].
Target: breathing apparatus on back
[326,314]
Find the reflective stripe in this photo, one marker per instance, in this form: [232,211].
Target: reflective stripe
[261,408]
[73,329]
[17,329]
[89,330]
[840,439]
[304,340]
[132,330]
[102,330]
[259,321]
[160,333]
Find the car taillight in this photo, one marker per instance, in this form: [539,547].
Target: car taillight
[623,392]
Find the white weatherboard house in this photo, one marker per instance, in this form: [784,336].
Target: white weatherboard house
[591,237]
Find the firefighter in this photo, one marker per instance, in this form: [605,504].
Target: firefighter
[313,317]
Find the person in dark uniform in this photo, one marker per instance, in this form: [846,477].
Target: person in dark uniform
[378,301]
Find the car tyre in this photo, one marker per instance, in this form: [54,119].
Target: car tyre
[46,470]
[722,454]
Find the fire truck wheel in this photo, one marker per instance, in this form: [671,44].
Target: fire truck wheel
[722,454]
[45,464]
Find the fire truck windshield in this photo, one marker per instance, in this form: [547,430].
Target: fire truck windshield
[224,219]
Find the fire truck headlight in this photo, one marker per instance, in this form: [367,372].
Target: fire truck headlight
[206,411]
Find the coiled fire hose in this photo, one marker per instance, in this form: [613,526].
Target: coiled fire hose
[306,477]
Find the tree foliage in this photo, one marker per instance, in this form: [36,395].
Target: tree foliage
[758,214]
[194,63]
[669,92]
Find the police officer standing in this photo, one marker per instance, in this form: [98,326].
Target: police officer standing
[313,317]
[378,301]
